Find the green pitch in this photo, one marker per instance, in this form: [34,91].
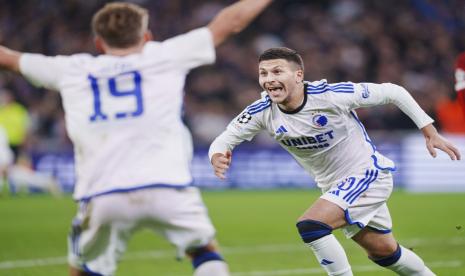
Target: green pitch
[255,228]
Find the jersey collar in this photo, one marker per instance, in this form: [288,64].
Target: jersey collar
[298,108]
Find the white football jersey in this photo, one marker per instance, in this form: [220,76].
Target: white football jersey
[123,113]
[324,134]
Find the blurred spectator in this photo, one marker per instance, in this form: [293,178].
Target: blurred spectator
[449,116]
[15,164]
[6,158]
[412,43]
[14,119]
[460,81]
[19,175]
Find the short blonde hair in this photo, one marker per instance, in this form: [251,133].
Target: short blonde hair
[120,25]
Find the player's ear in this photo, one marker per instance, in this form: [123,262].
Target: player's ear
[99,44]
[148,36]
[299,76]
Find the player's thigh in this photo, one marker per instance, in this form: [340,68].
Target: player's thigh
[184,220]
[100,232]
[325,211]
[362,198]
[376,244]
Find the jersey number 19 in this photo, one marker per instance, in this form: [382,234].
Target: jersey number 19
[136,92]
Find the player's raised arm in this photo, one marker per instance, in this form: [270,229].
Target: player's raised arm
[9,59]
[235,18]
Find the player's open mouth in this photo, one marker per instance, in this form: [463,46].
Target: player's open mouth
[275,90]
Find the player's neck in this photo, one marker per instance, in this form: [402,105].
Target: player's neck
[296,100]
[124,51]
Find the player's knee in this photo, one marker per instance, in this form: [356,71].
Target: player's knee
[311,230]
[388,260]
[201,255]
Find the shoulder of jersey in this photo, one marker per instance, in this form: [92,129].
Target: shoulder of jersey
[259,105]
[322,87]
[151,46]
[82,57]
[74,62]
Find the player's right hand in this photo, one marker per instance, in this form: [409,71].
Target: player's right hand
[220,163]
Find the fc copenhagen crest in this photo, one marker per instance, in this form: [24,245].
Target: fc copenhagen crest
[320,120]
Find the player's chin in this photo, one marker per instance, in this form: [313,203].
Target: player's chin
[276,99]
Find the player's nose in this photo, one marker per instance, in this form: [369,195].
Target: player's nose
[268,79]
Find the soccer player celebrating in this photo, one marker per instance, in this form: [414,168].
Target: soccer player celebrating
[316,123]
[132,151]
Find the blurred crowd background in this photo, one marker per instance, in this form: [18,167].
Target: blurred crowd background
[408,42]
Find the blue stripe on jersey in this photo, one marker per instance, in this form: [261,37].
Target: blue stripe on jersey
[264,101]
[364,131]
[367,138]
[260,106]
[261,109]
[343,87]
[132,189]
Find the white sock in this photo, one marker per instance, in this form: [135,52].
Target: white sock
[409,264]
[331,256]
[212,268]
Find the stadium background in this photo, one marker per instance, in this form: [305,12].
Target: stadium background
[408,42]
[411,43]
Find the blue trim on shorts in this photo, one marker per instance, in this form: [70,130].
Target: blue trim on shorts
[206,257]
[132,189]
[381,231]
[361,225]
[349,220]
[90,272]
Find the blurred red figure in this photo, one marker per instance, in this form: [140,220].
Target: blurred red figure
[451,112]
[460,80]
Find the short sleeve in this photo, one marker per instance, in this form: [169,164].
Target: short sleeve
[191,49]
[43,71]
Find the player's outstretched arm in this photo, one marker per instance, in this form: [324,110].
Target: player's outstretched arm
[9,59]
[235,18]
[220,163]
[435,140]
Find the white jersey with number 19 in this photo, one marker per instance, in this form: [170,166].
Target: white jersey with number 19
[123,113]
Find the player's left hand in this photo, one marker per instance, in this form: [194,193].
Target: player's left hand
[435,141]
